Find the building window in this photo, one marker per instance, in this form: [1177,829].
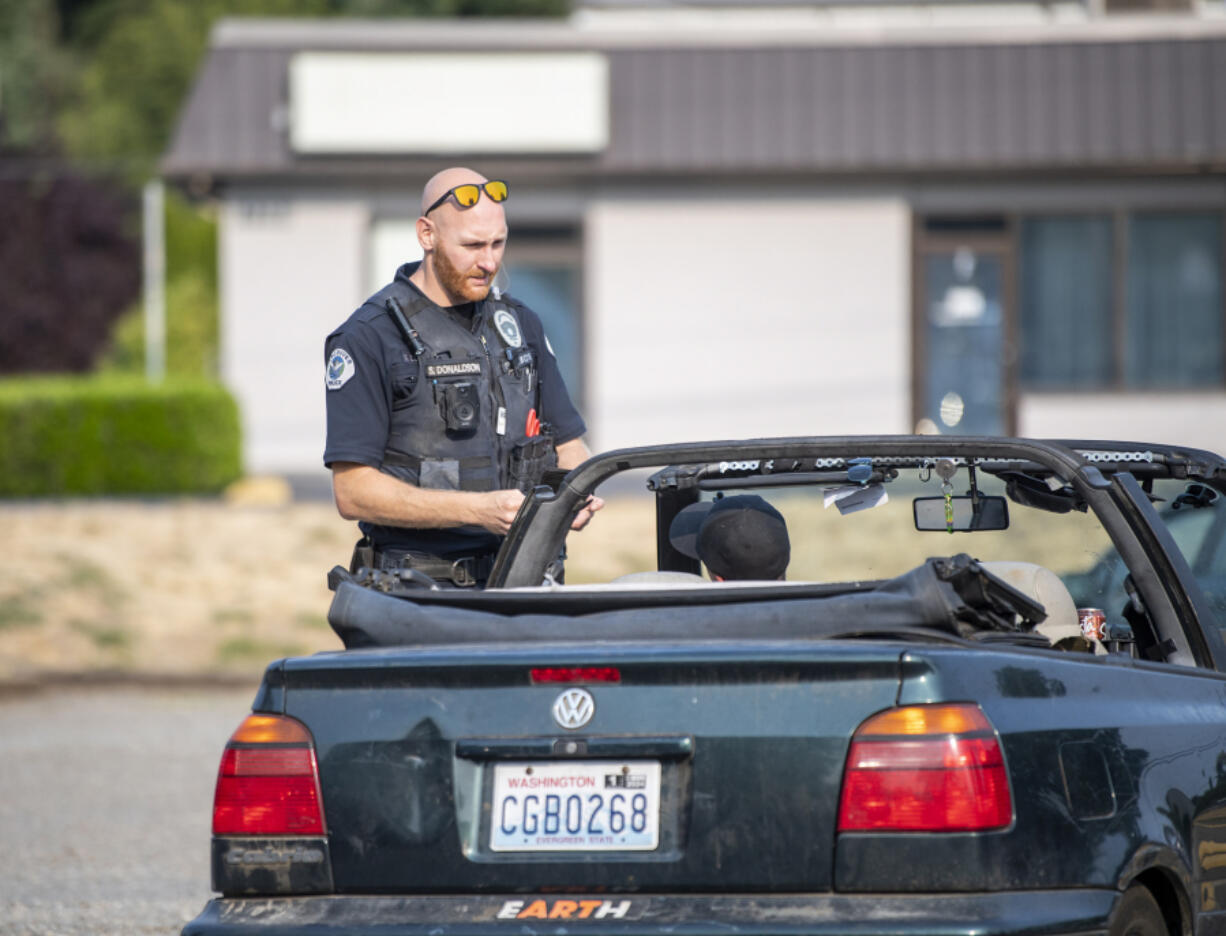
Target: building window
[552,292]
[1066,303]
[1154,324]
[543,272]
[964,375]
[965,327]
[1174,301]
[542,267]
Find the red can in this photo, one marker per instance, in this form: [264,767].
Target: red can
[1093,622]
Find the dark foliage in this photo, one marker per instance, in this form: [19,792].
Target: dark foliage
[69,266]
[138,58]
[99,83]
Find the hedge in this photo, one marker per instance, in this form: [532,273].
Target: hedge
[116,435]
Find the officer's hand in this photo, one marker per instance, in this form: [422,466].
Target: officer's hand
[584,516]
[499,511]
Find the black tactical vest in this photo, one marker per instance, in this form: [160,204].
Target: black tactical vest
[460,397]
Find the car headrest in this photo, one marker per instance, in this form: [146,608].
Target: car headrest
[1045,587]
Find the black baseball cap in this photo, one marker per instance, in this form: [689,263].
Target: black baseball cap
[740,537]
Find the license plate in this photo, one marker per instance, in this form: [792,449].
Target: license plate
[576,806]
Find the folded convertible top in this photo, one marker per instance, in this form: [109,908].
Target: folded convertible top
[933,596]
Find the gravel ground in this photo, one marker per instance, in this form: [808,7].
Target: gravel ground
[105,807]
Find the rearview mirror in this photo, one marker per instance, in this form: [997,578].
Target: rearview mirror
[990,513]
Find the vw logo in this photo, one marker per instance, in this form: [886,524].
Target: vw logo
[574,708]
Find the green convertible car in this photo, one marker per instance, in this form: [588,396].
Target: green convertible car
[988,698]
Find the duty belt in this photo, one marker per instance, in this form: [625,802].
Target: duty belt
[465,571]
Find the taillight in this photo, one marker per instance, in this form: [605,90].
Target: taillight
[575,674]
[925,768]
[268,783]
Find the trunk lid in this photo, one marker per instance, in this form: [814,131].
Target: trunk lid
[748,741]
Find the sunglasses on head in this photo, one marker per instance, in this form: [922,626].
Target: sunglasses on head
[466,195]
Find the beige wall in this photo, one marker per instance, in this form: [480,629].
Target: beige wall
[1197,420]
[746,317]
[292,269]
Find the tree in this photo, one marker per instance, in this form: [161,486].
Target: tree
[34,74]
[68,270]
[143,54]
[102,82]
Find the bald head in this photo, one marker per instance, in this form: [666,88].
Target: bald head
[446,180]
[462,247]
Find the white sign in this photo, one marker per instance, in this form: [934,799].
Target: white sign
[487,102]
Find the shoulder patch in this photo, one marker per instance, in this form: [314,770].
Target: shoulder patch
[340,368]
[508,328]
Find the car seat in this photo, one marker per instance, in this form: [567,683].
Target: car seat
[1045,587]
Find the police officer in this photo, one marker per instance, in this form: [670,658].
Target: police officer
[444,400]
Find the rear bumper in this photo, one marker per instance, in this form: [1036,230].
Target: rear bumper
[1018,913]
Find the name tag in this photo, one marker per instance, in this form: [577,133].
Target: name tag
[453,370]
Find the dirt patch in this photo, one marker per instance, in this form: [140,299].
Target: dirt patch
[197,587]
[172,587]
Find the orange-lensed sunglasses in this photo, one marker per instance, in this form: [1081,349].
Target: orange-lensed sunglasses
[466,195]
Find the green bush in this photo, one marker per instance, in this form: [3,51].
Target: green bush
[191,332]
[116,435]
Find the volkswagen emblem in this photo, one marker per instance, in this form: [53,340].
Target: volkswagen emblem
[574,708]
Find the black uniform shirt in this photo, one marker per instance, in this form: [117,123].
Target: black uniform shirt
[359,409]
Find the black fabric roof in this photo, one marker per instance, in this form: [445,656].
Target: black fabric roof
[1049,100]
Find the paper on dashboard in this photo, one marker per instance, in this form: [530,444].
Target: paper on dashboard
[853,497]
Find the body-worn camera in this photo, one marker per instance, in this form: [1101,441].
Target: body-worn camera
[461,407]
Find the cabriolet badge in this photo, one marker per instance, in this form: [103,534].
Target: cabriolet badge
[270,855]
[574,708]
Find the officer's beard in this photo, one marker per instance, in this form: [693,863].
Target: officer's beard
[458,285]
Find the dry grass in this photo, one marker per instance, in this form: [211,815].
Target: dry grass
[179,587]
[197,586]
[830,547]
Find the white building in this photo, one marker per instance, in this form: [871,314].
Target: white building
[796,218]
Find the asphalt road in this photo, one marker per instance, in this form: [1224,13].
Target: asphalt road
[106,798]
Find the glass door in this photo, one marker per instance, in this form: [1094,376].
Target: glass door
[963,358]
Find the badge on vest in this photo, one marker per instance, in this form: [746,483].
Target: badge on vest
[340,368]
[453,370]
[508,328]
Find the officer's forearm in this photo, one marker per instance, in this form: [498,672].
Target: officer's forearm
[572,453]
[365,493]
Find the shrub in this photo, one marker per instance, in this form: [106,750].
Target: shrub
[69,268]
[191,299]
[116,435]
[191,332]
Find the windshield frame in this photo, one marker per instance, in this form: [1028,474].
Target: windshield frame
[1103,474]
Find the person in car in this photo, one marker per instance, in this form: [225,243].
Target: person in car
[737,538]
